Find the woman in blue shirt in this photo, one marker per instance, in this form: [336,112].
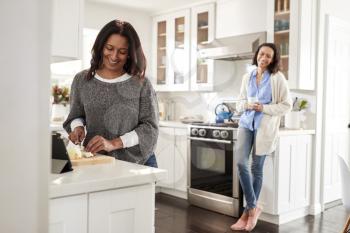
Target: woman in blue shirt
[267,95]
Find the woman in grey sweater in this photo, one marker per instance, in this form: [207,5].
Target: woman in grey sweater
[114,100]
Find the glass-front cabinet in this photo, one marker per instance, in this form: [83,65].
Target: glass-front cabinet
[202,33]
[171,53]
[178,36]
[281,32]
[294,35]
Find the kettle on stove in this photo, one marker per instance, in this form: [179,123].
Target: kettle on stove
[222,112]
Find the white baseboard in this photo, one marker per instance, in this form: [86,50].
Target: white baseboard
[284,217]
[315,209]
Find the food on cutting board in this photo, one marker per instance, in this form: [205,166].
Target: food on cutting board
[76,152]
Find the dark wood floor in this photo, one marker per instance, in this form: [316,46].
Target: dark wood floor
[174,215]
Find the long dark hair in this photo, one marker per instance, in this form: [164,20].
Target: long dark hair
[274,66]
[136,61]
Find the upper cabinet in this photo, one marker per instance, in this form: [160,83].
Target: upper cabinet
[240,17]
[294,35]
[67,28]
[171,53]
[202,32]
[176,65]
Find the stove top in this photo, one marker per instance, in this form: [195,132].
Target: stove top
[233,124]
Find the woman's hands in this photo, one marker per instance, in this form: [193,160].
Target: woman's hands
[99,143]
[77,135]
[258,107]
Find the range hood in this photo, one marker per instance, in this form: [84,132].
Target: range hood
[233,48]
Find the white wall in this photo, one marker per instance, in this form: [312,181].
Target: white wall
[97,15]
[24,104]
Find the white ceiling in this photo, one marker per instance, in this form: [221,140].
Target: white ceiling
[149,5]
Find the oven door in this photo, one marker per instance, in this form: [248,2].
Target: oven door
[212,167]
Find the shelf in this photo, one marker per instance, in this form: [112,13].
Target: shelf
[180,32]
[180,46]
[203,42]
[203,27]
[161,34]
[161,67]
[281,13]
[162,48]
[282,32]
[284,56]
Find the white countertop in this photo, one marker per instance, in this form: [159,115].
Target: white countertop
[92,178]
[286,131]
[173,124]
[283,131]
[56,126]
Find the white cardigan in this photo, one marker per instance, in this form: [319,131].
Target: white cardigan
[267,133]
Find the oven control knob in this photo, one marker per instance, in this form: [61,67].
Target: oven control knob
[224,134]
[216,133]
[194,131]
[202,132]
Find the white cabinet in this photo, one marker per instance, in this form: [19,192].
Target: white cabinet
[237,17]
[125,210]
[202,33]
[286,185]
[171,51]
[176,65]
[67,27]
[68,214]
[294,34]
[180,160]
[171,153]
[165,155]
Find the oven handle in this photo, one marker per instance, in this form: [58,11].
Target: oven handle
[210,140]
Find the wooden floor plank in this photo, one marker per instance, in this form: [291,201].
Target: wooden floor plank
[175,215]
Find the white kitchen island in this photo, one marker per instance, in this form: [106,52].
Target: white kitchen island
[114,197]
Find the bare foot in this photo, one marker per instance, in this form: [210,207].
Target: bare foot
[253,216]
[241,223]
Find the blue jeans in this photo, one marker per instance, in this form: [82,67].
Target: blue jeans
[251,182]
[151,161]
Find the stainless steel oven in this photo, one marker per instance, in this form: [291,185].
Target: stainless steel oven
[213,181]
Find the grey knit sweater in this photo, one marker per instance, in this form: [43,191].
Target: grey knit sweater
[113,109]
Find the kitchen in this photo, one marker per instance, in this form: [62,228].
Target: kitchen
[35,163]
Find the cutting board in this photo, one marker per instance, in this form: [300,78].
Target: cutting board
[98,159]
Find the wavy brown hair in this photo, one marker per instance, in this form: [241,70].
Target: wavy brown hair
[136,61]
[274,66]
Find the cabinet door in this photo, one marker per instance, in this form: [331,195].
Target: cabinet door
[180,160]
[165,155]
[160,53]
[301,171]
[294,172]
[179,51]
[202,32]
[294,34]
[171,54]
[66,29]
[126,210]
[68,215]
[284,158]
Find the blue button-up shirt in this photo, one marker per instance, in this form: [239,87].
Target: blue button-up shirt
[251,119]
